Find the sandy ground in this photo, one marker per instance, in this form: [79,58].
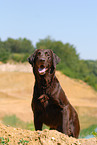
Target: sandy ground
[14,136]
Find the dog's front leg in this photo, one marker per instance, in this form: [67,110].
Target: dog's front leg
[37,122]
[65,121]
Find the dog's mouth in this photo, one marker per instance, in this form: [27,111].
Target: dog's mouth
[42,70]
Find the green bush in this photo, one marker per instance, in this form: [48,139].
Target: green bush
[88,131]
[19,57]
[4,55]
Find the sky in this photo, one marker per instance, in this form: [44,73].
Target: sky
[69,21]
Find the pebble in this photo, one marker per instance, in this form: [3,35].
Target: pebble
[53,138]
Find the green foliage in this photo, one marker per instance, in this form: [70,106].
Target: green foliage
[4,55]
[30,126]
[19,45]
[45,127]
[88,131]
[4,141]
[4,52]
[95,134]
[23,142]
[17,50]
[17,57]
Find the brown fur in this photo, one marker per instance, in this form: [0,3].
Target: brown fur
[50,104]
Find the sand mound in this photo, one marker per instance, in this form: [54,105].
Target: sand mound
[15,136]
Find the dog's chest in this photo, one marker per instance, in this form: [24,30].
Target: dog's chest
[51,114]
[48,108]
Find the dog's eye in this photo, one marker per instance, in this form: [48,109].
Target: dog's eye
[39,53]
[46,53]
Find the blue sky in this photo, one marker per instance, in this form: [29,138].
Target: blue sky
[73,21]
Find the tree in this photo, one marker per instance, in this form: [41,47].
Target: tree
[19,45]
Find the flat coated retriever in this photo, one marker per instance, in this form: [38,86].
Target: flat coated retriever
[50,104]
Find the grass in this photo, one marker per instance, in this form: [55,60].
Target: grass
[16,122]
[95,134]
[89,131]
[23,142]
[4,141]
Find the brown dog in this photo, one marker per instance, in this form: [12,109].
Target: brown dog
[50,104]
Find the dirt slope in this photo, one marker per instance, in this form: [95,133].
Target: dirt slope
[45,137]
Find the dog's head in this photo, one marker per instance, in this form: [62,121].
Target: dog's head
[44,60]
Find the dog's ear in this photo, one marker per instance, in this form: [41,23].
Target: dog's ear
[56,60]
[31,58]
